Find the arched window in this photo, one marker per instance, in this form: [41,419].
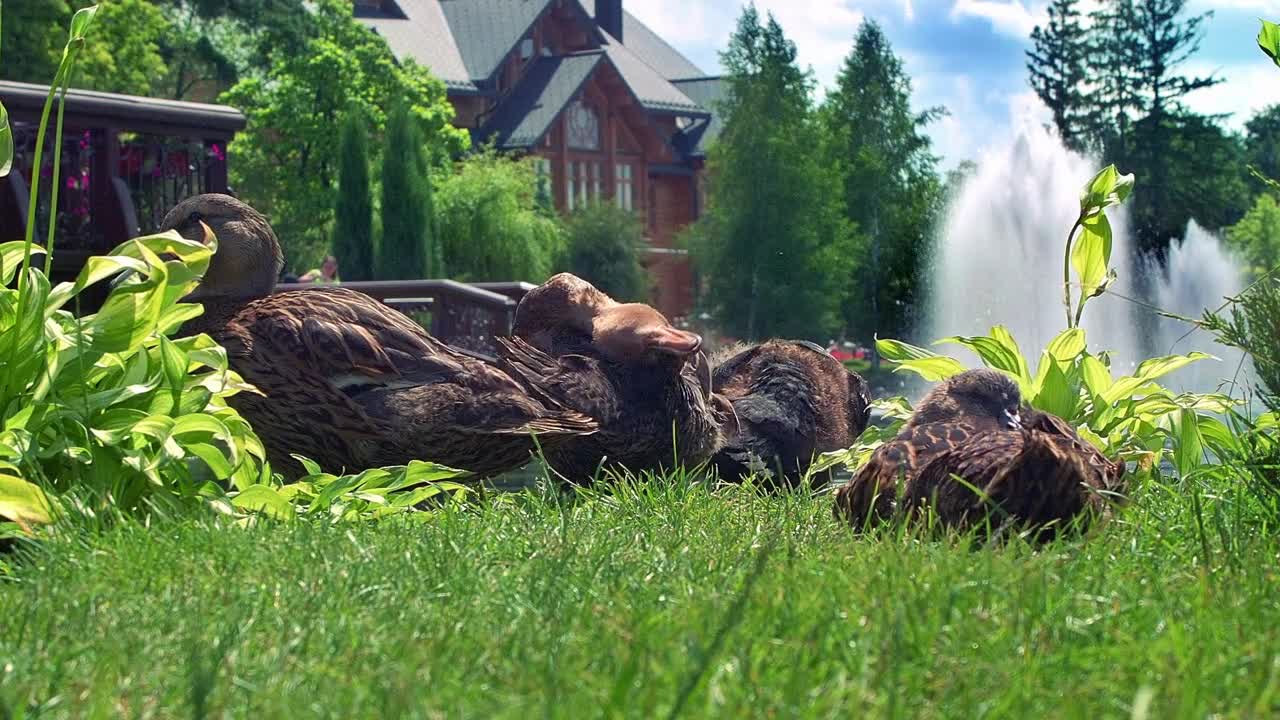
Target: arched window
[584,127]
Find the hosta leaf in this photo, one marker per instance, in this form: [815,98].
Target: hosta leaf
[1269,40]
[23,502]
[1068,345]
[1188,446]
[1091,254]
[998,350]
[1149,370]
[908,357]
[1055,394]
[264,499]
[6,145]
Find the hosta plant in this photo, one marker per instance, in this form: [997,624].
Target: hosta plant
[1131,417]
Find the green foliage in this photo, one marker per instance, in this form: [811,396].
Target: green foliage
[774,243]
[1131,416]
[126,56]
[604,243]
[1262,143]
[891,188]
[491,225]
[407,250]
[1256,238]
[1056,66]
[353,226]
[286,160]
[1269,40]
[32,34]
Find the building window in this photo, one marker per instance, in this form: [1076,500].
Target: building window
[582,184]
[623,194]
[584,127]
[526,48]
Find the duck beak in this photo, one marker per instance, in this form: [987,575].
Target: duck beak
[1012,419]
[676,342]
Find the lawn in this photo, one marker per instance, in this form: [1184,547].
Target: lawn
[651,601]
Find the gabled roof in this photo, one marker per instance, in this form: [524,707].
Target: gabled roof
[654,91]
[420,31]
[707,92]
[487,30]
[651,49]
[544,92]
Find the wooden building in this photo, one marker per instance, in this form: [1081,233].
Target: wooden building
[611,110]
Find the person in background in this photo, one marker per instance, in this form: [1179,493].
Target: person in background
[326,274]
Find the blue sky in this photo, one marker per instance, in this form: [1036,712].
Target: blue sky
[967,55]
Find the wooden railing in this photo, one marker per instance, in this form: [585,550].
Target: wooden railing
[467,316]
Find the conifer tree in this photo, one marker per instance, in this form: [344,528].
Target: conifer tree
[353,212]
[406,250]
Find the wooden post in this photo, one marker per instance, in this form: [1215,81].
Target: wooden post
[215,168]
[108,216]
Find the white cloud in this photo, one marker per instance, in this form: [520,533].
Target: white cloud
[1271,7]
[1009,17]
[1246,89]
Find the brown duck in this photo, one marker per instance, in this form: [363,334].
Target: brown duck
[1021,468]
[624,365]
[347,381]
[791,401]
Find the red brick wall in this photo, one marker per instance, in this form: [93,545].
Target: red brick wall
[671,209]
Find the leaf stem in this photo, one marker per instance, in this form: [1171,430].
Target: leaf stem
[1066,273]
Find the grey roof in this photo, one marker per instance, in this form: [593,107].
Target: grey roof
[651,49]
[707,92]
[486,30]
[422,33]
[652,90]
[546,89]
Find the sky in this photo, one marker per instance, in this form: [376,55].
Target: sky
[968,55]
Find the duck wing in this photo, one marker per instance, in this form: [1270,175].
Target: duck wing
[576,381]
[1023,478]
[873,492]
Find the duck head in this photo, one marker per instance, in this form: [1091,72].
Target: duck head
[981,393]
[248,259]
[637,334]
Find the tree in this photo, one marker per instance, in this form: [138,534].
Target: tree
[353,216]
[891,189]
[286,159]
[1262,143]
[490,222]
[774,244]
[1056,66]
[122,54]
[604,249]
[1256,238]
[406,251]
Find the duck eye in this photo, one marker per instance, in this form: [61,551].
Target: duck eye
[195,217]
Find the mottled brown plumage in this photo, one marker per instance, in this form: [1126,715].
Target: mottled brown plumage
[792,401]
[624,365]
[347,381]
[1027,469]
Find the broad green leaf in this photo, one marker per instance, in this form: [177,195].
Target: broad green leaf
[1098,188]
[1269,40]
[998,350]
[1188,447]
[6,142]
[264,499]
[1055,394]
[928,365]
[214,458]
[81,21]
[1067,346]
[1091,254]
[23,502]
[418,473]
[1125,387]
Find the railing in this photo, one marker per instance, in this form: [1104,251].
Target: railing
[467,316]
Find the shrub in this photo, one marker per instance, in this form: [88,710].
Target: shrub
[604,249]
[490,223]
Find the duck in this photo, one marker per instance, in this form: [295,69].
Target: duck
[976,457]
[644,381]
[345,380]
[791,401]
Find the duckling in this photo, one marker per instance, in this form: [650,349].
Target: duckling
[1021,468]
[791,401]
[644,381]
[346,380]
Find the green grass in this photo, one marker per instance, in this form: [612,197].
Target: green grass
[653,600]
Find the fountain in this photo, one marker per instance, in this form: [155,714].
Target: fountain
[998,260]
